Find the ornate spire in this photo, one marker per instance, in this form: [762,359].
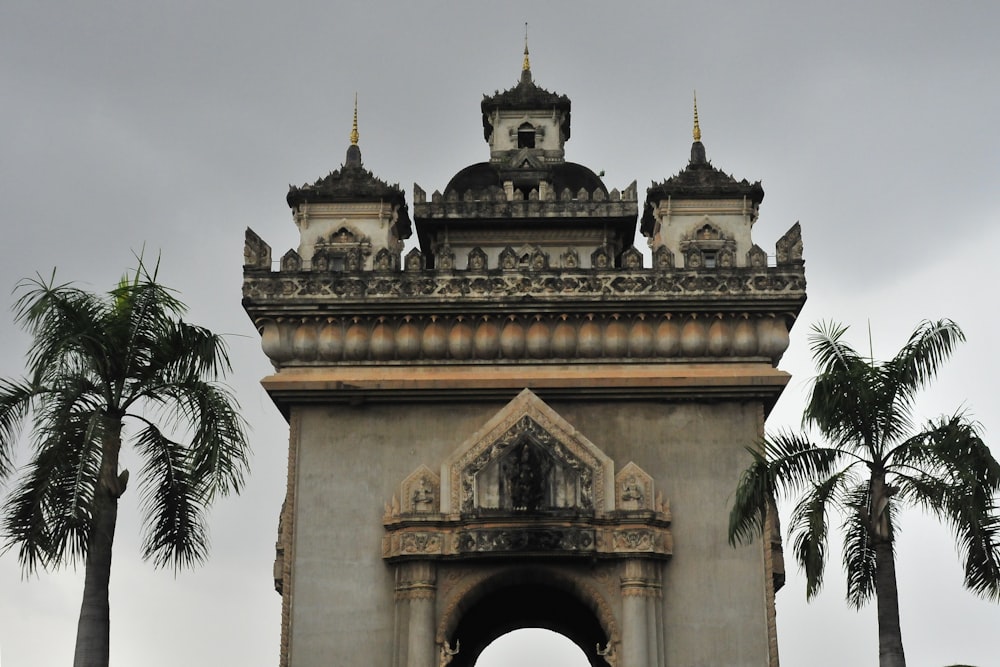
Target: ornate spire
[697,128]
[526,66]
[354,151]
[354,128]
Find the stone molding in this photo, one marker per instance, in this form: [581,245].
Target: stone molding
[539,337]
[296,286]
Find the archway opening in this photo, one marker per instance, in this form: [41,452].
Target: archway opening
[528,603]
[532,647]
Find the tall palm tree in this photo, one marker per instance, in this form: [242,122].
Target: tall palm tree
[103,370]
[869,463]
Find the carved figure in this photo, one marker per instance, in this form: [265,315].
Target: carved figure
[447,652]
[423,496]
[633,492]
[527,480]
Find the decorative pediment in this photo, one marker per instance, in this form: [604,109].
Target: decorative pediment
[527,484]
[527,458]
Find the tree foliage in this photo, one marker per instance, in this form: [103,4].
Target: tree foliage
[871,459]
[104,369]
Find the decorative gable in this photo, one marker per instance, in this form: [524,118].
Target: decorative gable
[526,484]
[527,458]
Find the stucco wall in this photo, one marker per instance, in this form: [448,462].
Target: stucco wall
[350,461]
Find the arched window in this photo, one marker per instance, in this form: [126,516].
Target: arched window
[526,136]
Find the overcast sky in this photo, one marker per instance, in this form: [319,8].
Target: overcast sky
[173,126]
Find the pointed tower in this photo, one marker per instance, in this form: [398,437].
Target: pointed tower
[349,220]
[701,217]
[559,213]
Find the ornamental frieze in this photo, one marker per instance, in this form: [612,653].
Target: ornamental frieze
[539,337]
[650,283]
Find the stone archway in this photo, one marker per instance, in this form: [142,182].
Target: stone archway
[529,598]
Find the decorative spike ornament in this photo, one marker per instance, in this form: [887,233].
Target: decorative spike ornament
[354,127]
[697,128]
[526,66]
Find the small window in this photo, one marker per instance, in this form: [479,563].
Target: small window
[526,136]
[337,263]
[710,259]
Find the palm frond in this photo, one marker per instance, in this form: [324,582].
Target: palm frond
[749,511]
[928,347]
[796,462]
[948,469]
[48,516]
[174,502]
[16,398]
[809,527]
[859,548]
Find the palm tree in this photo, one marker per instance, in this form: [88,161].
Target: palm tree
[869,463]
[103,370]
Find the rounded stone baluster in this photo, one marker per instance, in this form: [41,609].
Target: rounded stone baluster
[589,342]
[356,341]
[435,340]
[615,338]
[537,341]
[460,339]
[564,339]
[512,339]
[744,337]
[271,341]
[304,341]
[408,339]
[330,341]
[772,337]
[719,339]
[694,337]
[383,341]
[668,337]
[486,342]
[640,338]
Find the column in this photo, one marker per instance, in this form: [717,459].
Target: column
[640,586]
[416,589]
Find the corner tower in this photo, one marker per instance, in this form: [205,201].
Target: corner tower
[521,424]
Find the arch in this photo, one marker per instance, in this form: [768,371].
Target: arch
[527,597]
[532,646]
[526,136]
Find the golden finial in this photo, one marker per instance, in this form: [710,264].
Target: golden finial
[697,128]
[527,63]
[354,128]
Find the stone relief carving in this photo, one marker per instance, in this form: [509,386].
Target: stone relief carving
[525,483]
[789,246]
[633,488]
[508,259]
[632,259]
[477,260]
[663,258]
[601,259]
[756,257]
[420,492]
[291,261]
[256,253]
[414,260]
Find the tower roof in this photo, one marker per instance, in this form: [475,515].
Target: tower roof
[525,96]
[352,183]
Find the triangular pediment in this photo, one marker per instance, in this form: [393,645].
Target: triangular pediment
[527,458]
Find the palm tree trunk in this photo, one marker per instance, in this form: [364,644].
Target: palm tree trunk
[890,638]
[93,633]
